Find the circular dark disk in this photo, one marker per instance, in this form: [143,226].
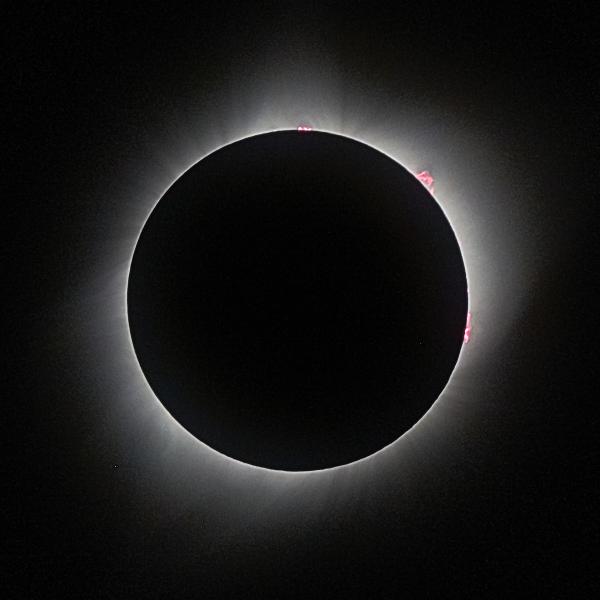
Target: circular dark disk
[297,301]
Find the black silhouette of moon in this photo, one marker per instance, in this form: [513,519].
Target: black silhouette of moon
[297,301]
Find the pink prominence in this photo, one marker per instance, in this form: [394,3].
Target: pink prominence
[304,128]
[427,180]
[467,336]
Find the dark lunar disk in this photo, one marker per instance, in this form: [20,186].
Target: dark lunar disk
[297,301]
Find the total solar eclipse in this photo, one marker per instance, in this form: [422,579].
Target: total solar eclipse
[297,300]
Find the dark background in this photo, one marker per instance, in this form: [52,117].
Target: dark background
[499,503]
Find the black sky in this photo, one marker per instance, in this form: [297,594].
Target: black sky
[499,502]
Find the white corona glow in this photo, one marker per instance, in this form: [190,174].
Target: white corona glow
[468,186]
[204,447]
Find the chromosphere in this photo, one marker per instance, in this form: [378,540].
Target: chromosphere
[297,301]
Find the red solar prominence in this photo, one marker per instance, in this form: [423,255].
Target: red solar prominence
[467,336]
[427,180]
